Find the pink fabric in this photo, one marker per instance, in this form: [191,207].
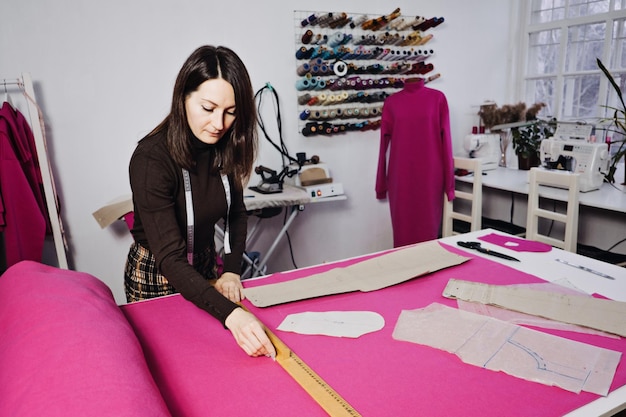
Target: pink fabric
[202,372]
[67,350]
[23,220]
[415,138]
[129,218]
[515,243]
[380,376]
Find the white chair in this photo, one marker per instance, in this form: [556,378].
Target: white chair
[455,210]
[560,179]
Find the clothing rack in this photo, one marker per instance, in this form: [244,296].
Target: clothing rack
[25,84]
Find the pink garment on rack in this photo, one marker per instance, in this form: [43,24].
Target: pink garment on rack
[23,223]
[415,139]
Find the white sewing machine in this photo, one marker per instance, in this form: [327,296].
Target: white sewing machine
[485,147]
[590,160]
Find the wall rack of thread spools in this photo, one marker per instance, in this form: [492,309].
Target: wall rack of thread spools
[347,64]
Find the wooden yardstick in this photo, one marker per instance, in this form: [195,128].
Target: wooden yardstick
[313,384]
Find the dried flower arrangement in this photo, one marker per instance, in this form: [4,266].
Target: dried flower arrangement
[526,139]
[492,115]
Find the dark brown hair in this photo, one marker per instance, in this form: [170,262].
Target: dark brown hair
[236,150]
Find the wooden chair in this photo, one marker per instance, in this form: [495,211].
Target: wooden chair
[455,210]
[560,179]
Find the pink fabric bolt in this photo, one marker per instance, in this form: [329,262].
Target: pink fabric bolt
[67,350]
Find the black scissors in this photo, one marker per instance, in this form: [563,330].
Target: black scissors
[476,246]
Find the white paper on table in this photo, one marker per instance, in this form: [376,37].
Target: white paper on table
[333,323]
[518,351]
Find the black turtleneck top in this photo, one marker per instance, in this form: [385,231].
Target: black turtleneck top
[160,222]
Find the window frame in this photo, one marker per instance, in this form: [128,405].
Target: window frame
[520,76]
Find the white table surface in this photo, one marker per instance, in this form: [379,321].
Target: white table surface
[608,197]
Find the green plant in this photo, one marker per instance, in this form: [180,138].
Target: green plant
[617,124]
[527,138]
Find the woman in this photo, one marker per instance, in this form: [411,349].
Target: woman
[187,174]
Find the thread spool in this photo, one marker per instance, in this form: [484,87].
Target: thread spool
[438,21]
[340,68]
[308,35]
[305,114]
[313,101]
[304,53]
[303,69]
[304,99]
[303,84]
[336,39]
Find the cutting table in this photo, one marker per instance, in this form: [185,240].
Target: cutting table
[204,373]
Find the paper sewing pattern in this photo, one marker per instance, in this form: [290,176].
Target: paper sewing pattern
[518,351]
[516,317]
[333,323]
[372,274]
[596,313]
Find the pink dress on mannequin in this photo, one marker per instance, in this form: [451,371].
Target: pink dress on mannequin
[415,163]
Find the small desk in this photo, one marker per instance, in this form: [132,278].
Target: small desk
[608,197]
[602,217]
[292,198]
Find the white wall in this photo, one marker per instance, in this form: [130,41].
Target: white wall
[104,72]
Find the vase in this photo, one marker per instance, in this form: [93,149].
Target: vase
[505,139]
[527,162]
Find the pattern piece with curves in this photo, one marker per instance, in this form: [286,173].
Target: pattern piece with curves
[515,350]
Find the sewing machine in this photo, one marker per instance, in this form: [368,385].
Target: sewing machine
[485,147]
[590,160]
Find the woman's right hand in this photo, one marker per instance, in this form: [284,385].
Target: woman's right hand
[249,333]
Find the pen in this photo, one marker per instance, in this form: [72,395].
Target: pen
[584,268]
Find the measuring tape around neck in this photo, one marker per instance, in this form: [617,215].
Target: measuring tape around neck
[190,215]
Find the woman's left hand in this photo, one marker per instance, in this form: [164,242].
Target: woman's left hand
[229,285]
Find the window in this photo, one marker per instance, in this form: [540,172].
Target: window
[562,40]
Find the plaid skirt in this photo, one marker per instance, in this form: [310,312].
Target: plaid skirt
[142,279]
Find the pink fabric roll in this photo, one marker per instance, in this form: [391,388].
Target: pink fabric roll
[67,350]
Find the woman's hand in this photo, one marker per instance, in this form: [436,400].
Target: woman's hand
[249,333]
[229,285]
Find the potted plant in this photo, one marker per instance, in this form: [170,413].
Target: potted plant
[617,125]
[527,141]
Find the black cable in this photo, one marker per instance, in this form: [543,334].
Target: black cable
[258,97]
[293,260]
[613,247]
